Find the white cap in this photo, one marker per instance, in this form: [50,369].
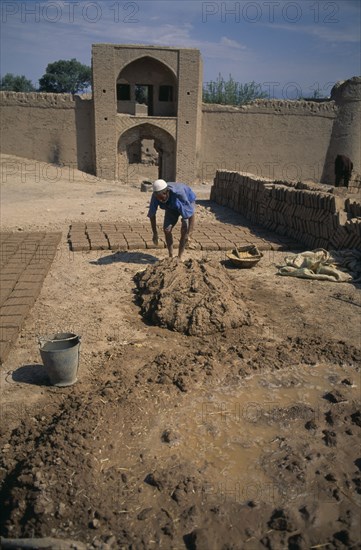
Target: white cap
[159,185]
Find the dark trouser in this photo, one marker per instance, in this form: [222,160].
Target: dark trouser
[170,219]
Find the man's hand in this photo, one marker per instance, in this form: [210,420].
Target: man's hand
[155,238]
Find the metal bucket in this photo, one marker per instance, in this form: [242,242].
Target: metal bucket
[60,355]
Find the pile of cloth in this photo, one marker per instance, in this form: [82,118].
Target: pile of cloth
[336,265]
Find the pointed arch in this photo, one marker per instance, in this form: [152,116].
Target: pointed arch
[152,79]
[131,140]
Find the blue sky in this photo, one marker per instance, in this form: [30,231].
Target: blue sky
[289,47]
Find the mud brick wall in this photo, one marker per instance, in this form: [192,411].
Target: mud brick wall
[54,128]
[311,214]
[268,138]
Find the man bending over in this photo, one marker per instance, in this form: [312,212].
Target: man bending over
[177,199]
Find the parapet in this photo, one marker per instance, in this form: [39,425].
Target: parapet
[276,106]
[41,99]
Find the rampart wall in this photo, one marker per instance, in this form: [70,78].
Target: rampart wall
[285,140]
[269,138]
[312,214]
[54,128]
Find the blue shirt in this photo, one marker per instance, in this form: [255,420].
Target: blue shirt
[181,199]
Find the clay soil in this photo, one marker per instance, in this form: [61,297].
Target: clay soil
[243,437]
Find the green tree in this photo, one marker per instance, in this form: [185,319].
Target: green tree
[16,83]
[65,77]
[231,92]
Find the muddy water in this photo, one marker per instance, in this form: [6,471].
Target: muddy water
[227,432]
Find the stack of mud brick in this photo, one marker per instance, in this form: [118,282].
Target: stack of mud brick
[316,218]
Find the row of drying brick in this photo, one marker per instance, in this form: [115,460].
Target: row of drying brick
[25,261]
[122,236]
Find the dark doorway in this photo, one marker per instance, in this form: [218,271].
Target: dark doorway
[144,95]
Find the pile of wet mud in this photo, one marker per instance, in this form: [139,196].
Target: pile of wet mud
[196,297]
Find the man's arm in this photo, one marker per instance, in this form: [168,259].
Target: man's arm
[153,223]
[152,212]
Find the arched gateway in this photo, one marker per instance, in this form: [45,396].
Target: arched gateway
[147,108]
[134,161]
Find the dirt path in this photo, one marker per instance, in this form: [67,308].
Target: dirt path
[245,438]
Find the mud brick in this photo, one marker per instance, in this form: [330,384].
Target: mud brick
[93,225]
[123,227]
[37,266]
[109,227]
[28,247]
[77,225]
[77,246]
[21,293]
[46,249]
[94,230]
[12,241]
[263,245]
[33,287]
[53,235]
[14,268]
[99,239]
[97,245]
[27,278]
[78,237]
[121,234]
[4,285]
[7,311]
[4,237]
[11,321]
[149,244]
[356,242]
[4,294]
[135,245]
[8,333]
[96,237]
[4,277]
[5,348]
[209,246]
[16,301]
[17,237]
[116,237]
[7,250]
[120,246]
[239,242]
[39,271]
[117,244]
[20,258]
[34,235]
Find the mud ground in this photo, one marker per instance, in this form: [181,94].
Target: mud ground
[245,438]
